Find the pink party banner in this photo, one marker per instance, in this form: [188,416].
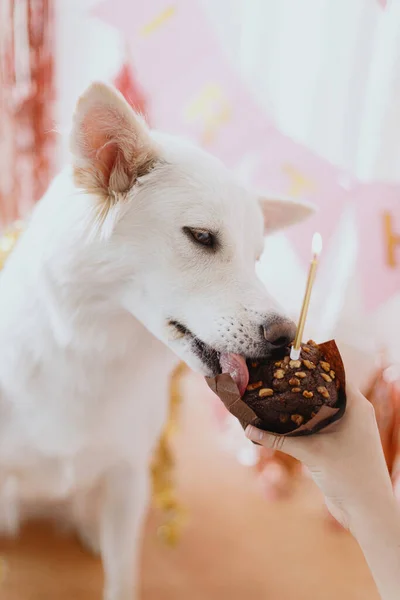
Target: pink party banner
[194,91]
[378,217]
[191,87]
[288,168]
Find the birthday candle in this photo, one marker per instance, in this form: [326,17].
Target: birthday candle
[316,250]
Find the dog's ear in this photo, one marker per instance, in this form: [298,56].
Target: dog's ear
[280,213]
[110,144]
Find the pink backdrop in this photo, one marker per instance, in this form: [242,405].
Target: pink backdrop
[194,91]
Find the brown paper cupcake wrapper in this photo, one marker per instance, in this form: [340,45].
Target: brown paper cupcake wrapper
[226,389]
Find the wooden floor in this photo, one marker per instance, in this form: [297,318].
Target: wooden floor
[236,546]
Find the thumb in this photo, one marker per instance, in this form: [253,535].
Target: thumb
[289,445]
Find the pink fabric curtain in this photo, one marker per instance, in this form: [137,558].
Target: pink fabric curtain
[27,95]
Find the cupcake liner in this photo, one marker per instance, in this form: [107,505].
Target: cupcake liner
[226,389]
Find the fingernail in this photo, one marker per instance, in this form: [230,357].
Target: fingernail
[253,433]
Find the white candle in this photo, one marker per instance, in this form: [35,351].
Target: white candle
[316,250]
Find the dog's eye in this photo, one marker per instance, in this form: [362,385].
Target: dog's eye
[201,236]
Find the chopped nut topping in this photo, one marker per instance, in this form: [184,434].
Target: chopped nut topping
[298,419]
[295,364]
[265,392]
[254,386]
[310,365]
[325,365]
[308,394]
[300,374]
[294,381]
[323,391]
[326,377]
[296,390]
[279,374]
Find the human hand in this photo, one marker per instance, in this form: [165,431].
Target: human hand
[277,474]
[346,459]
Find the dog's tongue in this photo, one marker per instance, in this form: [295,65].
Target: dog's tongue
[235,365]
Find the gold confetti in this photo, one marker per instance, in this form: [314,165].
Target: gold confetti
[392,241]
[210,93]
[212,108]
[299,183]
[163,466]
[158,21]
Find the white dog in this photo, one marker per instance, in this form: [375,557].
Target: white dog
[144,246]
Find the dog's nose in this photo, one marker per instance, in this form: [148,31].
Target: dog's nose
[279,333]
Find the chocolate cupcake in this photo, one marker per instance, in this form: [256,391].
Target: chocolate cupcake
[288,397]
[287,393]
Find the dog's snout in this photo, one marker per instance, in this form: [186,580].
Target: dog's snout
[279,333]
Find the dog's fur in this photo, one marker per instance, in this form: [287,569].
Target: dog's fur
[104,283]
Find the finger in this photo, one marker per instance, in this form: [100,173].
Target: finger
[275,481]
[269,440]
[297,447]
[355,398]
[351,389]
